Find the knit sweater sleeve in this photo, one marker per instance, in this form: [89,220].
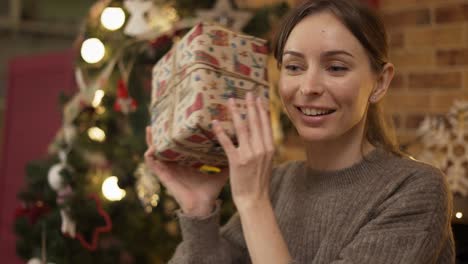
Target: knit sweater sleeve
[204,242]
[412,225]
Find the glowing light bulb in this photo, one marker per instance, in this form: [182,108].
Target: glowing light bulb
[154,200]
[98,95]
[96,134]
[113,18]
[459,215]
[92,50]
[111,190]
[100,110]
[148,209]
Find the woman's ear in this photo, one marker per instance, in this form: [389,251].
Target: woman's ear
[382,83]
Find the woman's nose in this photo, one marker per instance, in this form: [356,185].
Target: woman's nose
[312,84]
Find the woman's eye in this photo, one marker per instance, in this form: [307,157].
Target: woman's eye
[337,68]
[292,68]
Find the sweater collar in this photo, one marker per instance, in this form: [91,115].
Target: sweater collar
[361,171]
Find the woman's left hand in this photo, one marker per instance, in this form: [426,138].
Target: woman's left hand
[250,163]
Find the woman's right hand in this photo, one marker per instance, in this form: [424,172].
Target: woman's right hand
[195,192]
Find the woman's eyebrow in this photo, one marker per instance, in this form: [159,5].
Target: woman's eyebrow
[336,52]
[329,53]
[293,53]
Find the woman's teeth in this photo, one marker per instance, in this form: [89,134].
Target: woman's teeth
[315,112]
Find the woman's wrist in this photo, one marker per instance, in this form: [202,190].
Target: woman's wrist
[199,210]
[252,206]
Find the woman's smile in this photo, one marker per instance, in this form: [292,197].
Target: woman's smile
[314,116]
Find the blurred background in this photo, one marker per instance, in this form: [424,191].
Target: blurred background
[59,101]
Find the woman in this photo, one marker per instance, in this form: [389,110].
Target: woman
[355,199]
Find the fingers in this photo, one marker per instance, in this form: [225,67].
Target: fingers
[158,167]
[223,139]
[255,126]
[149,156]
[149,138]
[266,125]
[240,125]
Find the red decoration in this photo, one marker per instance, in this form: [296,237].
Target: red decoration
[161,41]
[91,246]
[32,212]
[124,103]
[373,3]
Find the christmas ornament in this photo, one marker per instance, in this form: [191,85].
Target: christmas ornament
[107,227]
[162,18]
[445,145]
[37,261]
[34,261]
[458,113]
[69,133]
[224,14]
[32,211]
[124,103]
[147,187]
[148,21]
[64,191]
[54,177]
[137,24]
[87,91]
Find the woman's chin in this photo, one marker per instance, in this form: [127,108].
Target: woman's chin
[315,135]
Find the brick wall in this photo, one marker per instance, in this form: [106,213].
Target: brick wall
[429,47]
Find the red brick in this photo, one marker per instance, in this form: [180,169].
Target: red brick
[465,84]
[412,59]
[430,37]
[407,18]
[396,40]
[398,82]
[452,57]
[452,13]
[444,101]
[399,3]
[447,80]
[399,102]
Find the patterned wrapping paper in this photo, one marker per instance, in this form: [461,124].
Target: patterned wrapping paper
[191,85]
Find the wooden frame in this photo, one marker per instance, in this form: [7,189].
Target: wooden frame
[12,22]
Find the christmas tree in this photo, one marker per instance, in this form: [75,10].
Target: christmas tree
[92,200]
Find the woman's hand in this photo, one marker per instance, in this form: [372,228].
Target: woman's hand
[250,163]
[195,192]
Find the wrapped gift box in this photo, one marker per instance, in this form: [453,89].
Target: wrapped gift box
[191,85]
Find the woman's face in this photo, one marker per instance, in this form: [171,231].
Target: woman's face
[326,80]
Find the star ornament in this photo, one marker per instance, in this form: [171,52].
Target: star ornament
[137,23]
[224,14]
[106,228]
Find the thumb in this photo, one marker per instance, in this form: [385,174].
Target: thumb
[149,136]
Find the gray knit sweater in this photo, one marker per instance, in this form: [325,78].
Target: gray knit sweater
[384,209]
